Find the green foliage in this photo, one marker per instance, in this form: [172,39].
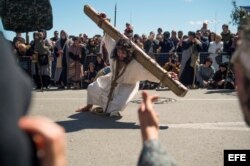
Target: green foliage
[239,15]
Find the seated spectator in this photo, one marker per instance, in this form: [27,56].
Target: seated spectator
[89,75]
[222,78]
[173,65]
[205,73]
[99,64]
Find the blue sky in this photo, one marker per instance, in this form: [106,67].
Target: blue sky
[144,15]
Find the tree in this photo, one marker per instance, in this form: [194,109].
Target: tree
[239,15]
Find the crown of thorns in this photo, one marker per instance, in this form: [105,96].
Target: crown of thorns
[125,44]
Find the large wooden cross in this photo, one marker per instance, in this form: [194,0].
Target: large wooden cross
[146,61]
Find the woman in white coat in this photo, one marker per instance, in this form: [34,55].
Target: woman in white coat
[215,48]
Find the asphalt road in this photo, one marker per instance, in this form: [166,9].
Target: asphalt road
[195,129]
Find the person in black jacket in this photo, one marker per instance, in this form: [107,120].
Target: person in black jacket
[15,99]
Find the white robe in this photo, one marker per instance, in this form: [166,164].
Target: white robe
[212,50]
[126,89]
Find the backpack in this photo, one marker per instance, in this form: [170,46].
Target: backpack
[26,15]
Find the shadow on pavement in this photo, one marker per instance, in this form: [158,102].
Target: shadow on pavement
[87,120]
[222,91]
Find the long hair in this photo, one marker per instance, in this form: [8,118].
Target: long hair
[123,44]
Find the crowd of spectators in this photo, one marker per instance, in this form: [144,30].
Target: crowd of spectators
[73,61]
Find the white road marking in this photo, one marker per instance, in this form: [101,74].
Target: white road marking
[81,98]
[215,99]
[58,98]
[232,126]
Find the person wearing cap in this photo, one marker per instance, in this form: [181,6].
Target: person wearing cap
[190,54]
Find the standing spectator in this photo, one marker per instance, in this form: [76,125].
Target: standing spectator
[20,49]
[190,54]
[18,38]
[212,37]
[91,47]
[179,44]
[75,68]
[226,38]
[53,65]
[236,38]
[144,39]
[137,41]
[61,52]
[174,38]
[215,48]
[128,31]
[203,39]
[159,34]
[166,47]
[24,54]
[204,27]
[150,45]
[42,49]
[55,38]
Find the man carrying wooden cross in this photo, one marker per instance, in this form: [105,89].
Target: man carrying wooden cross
[113,91]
